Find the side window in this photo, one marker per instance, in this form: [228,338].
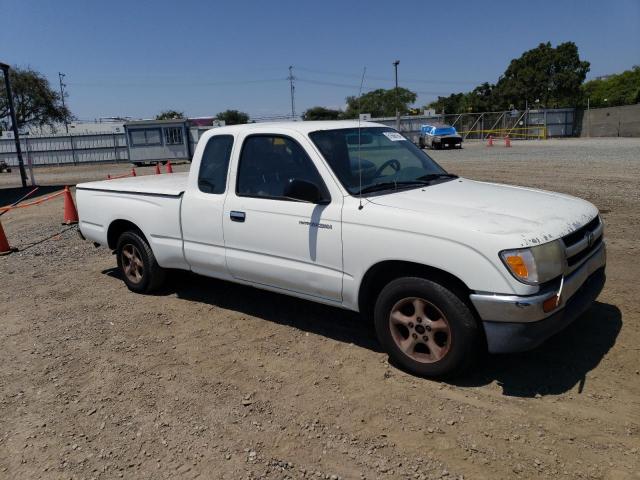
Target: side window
[145,136]
[268,164]
[212,177]
[173,136]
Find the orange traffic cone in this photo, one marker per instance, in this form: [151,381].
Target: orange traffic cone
[507,141]
[490,142]
[169,169]
[158,169]
[133,172]
[70,212]
[5,249]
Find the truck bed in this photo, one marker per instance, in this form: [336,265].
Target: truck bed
[169,184]
[151,203]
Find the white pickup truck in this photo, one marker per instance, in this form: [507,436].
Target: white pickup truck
[354,215]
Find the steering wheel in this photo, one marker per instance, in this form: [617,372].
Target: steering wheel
[393,163]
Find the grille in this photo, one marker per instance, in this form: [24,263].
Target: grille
[578,257]
[577,244]
[579,234]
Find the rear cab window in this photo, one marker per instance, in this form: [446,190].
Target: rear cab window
[212,177]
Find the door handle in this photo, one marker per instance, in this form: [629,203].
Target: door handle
[237,216]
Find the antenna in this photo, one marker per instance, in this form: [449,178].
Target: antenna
[364,71]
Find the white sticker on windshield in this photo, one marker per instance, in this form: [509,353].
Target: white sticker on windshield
[393,136]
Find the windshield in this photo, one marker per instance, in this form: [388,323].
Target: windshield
[445,131]
[383,158]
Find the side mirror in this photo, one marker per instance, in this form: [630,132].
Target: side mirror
[305,191]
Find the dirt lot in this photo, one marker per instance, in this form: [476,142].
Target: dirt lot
[214,380]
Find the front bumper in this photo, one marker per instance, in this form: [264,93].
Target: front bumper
[517,323]
[448,142]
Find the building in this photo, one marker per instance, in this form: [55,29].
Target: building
[153,141]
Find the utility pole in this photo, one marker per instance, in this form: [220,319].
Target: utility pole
[588,117]
[291,78]
[62,85]
[395,66]
[14,123]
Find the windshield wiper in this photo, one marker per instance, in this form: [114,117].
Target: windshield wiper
[376,187]
[435,176]
[420,181]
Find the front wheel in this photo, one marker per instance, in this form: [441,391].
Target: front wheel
[137,263]
[426,328]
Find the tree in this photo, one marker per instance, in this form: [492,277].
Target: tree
[483,98]
[36,103]
[233,117]
[620,89]
[170,115]
[380,103]
[454,103]
[552,75]
[321,113]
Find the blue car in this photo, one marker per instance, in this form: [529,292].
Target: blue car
[439,135]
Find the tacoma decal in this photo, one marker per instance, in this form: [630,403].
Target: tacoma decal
[316,224]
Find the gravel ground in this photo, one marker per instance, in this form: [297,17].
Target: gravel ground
[214,380]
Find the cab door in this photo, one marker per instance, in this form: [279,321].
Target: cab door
[203,207]
[272,239]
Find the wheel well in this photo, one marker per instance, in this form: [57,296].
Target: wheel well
[379,275]
[117,228]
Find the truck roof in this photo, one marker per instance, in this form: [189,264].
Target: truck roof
[301,127]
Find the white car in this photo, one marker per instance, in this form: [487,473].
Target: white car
[356,216]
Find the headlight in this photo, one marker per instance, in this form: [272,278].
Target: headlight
[536,264]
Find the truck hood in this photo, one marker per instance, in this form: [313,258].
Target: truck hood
[534,216]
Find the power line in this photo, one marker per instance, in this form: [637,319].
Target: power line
[175,84]
[355,87]
[388,79]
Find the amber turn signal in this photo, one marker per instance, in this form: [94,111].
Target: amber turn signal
[517,266]
[551,303]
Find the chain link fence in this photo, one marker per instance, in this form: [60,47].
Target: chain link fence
[529,124]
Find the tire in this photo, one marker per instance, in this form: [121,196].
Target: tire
[133,252]
[444,347]
[138,164]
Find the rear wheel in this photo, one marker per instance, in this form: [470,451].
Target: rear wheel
[426,328]
[137,263]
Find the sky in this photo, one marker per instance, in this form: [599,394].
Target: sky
[137,58]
